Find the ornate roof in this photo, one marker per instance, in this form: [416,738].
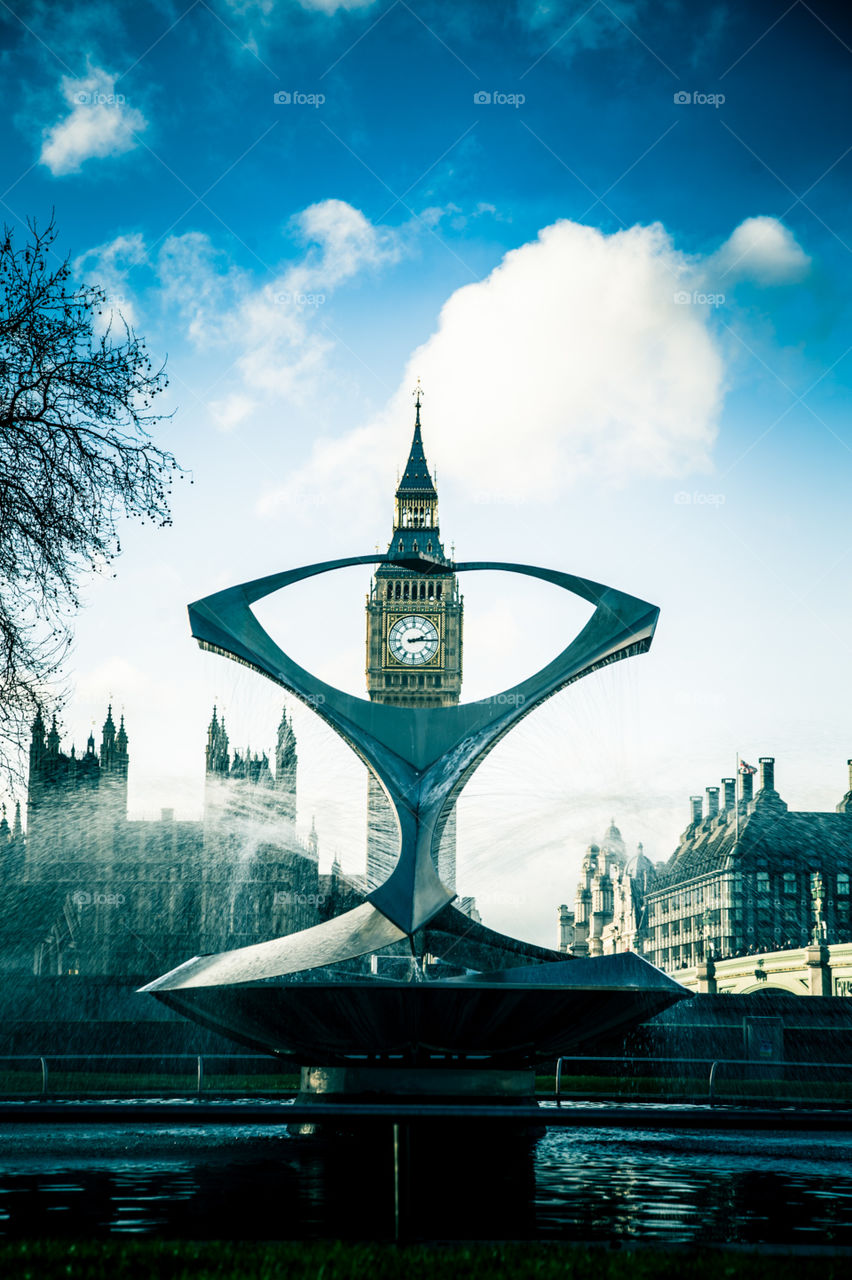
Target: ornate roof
[416,477]
[768,836]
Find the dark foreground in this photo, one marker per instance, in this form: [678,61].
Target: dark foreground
[687,1188]
[108,1260]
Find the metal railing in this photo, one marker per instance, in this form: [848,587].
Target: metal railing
[663,1078]
[196,1067]
[766,1070]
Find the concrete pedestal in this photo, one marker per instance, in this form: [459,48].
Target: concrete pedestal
[425,1084]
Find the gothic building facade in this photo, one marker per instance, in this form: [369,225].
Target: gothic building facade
[414,642]
[89,890]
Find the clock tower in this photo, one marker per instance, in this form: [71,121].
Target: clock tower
[414,640]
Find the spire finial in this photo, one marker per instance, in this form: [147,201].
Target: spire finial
[418,396]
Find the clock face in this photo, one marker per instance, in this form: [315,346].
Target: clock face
[413,640]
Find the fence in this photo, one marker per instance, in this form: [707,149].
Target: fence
[664,1079]
[703,1080]
[143,1074]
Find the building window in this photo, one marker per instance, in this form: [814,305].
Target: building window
[843,885]
[763,882]
[789,882]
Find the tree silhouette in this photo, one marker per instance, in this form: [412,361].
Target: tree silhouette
[76,396]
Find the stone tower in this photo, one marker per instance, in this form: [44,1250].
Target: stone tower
[414,641]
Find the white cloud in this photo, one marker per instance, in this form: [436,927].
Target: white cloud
[266,8]
[761,249]
[342,243]
[571,358]
[109,266]
[99,124]
[273,331]
[332,6]
[231,411]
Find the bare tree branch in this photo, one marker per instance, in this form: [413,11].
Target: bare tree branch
[76,455]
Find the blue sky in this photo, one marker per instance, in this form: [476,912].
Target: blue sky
[630,313]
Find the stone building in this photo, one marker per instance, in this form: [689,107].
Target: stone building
[748,878]
[608,913]
[88,890]
[414,642]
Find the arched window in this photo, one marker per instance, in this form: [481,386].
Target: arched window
[438,590]
[397,590]
[405,590]
[389,592]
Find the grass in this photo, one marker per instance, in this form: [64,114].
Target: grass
[332,1260]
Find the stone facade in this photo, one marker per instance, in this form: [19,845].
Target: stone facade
[427,674]
[89,891]
[748,878]
[608,913]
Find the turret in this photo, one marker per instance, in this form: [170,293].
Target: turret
[416,504]
[286,767]
[107,739]
[217,746]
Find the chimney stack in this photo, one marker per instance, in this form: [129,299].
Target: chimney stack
[712,802]
[696,803]
[730,785]
[746,787]
[849,763]
[767,773]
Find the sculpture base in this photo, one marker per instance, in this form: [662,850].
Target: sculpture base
[422,1084]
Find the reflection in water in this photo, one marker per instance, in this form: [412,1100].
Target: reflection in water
[470,1182]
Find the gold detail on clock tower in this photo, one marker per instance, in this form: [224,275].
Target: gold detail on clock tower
[414,639]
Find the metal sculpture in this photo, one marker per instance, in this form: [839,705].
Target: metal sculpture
[421,757]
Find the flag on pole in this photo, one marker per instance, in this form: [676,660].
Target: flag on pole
[747,768]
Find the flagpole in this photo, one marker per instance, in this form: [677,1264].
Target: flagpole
[737,803]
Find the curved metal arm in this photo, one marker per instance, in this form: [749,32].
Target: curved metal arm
[422,757]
